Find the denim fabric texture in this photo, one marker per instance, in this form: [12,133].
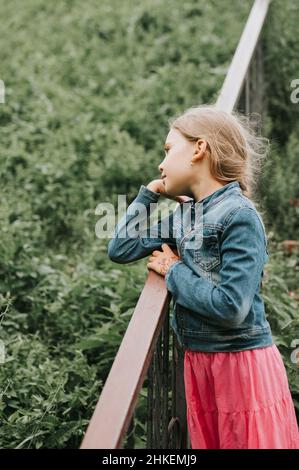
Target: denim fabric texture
[215,285]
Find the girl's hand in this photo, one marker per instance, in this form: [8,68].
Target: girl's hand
[160,261]
[158,187]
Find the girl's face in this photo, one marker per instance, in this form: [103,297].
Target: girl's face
[180,175]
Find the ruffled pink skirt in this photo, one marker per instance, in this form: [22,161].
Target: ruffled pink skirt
[239,400]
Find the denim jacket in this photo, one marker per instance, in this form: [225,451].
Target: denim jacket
[215,284]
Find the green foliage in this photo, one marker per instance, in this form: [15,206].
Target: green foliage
[279,182]
[281,296]
[44,399]
[280,189]
[281,67]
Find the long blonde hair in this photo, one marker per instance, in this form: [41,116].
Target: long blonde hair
[237,151]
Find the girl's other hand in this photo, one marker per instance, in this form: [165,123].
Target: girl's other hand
[158,187]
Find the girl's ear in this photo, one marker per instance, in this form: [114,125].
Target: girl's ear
[201,146]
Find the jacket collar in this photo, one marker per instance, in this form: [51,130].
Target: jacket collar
[213,198]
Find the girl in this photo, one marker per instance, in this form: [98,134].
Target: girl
[237,391]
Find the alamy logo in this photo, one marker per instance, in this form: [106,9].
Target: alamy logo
[140,220]
[295,93]
[295,352]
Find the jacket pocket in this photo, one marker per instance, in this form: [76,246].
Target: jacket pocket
[208,255]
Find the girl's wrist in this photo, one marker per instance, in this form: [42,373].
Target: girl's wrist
[167,274]
[170,263]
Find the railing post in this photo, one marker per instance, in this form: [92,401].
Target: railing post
[252,97]
[178,428]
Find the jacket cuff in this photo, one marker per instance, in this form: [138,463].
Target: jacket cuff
[170,272]
[145,194]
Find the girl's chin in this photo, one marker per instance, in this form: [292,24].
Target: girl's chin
[168,189]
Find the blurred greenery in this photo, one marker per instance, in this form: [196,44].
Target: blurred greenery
[89,90]
[279,182]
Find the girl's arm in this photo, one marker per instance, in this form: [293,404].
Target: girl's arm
[243,258]
[123,248]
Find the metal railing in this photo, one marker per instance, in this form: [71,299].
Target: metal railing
[145,354]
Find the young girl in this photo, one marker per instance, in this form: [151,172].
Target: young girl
[237,391]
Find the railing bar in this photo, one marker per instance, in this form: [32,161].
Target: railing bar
[150,402]
[159,390]
[247,92]
[165,387]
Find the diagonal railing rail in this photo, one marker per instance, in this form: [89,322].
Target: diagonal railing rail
[145,353]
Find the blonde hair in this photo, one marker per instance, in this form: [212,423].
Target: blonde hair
[236,150]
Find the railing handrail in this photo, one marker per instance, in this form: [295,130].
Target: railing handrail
[117,401]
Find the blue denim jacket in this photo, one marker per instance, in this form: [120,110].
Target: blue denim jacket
[215,285]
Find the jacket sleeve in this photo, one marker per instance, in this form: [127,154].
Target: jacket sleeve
[127,246]
[243,255]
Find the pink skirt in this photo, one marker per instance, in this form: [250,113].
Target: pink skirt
[239,400]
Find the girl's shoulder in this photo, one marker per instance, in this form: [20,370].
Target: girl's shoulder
[244,217]
[239,204]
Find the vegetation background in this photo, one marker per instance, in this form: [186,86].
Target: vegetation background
[89,90]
